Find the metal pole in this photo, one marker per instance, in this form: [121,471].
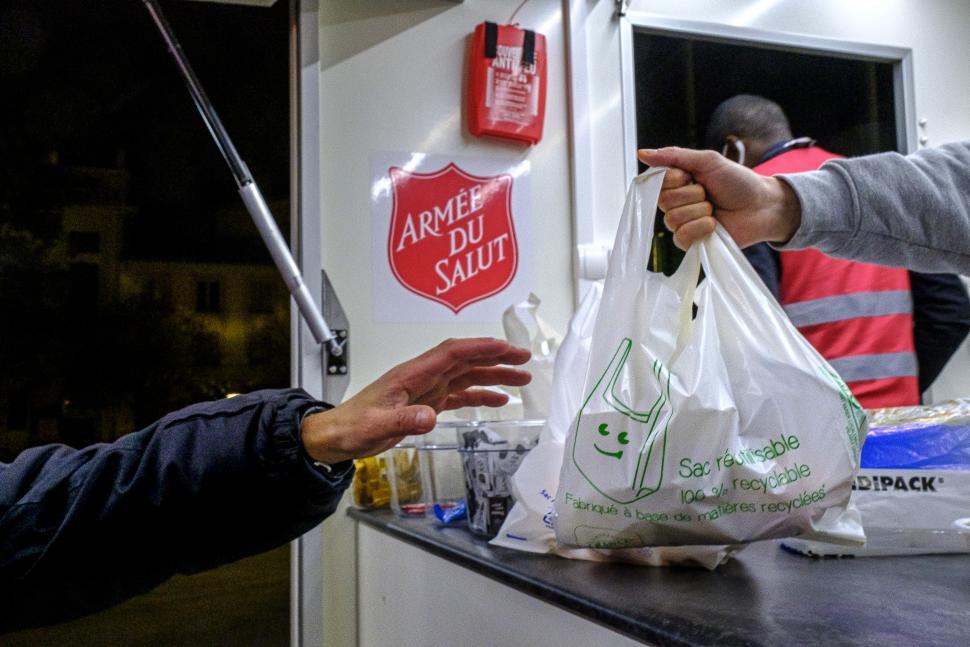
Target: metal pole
[248,190]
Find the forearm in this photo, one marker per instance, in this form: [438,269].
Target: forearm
[911,211]
[204,486]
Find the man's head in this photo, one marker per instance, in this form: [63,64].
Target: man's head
[745,126]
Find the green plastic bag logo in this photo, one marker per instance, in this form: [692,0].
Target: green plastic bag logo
[594,537]
[621,452]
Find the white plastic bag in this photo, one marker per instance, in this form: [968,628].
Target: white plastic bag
[526,329]
[723,429]
[528,526]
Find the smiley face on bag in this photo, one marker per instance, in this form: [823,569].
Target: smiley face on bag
[622,440]
[620,451]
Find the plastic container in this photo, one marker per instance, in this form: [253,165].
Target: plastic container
[491,453]
[441,474]
[404,479]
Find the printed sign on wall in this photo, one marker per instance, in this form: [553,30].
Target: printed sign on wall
[451,237]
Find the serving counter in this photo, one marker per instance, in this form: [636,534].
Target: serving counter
[484,595]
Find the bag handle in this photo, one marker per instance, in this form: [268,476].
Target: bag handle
[634,237]
[691,266]
[723,263]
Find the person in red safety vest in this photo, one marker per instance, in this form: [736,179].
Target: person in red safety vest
[888,332]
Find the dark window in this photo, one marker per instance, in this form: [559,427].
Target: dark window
[83,242]
[848,105]
[207,296]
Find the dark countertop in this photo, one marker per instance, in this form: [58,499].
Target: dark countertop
[763,596]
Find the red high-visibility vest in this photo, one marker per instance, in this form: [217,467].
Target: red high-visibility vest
[858,316]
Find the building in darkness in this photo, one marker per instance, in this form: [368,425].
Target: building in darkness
[148,327]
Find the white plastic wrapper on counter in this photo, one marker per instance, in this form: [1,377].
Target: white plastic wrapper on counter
[913,490]
[526,329]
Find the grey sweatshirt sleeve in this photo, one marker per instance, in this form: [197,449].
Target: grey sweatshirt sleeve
[911,211]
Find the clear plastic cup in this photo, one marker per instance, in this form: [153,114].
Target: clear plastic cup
[404,480]
[491,453]
[441,476]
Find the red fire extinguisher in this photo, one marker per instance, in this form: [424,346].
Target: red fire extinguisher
[507,82]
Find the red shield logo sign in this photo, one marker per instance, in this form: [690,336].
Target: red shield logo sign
[452,239]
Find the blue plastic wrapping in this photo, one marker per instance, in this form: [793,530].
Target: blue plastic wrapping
[929,438]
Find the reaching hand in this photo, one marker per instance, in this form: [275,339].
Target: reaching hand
[753,208]
[406,399]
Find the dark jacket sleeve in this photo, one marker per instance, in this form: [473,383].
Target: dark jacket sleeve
[941,321]
[81,530]
[767,263]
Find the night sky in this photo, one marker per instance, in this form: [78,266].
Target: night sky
[92,78]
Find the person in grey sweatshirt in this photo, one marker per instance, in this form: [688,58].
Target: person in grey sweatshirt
[906,211]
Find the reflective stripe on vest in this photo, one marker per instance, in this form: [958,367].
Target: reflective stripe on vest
[849,306]
[875,367]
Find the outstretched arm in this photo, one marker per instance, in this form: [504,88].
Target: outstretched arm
[81,530]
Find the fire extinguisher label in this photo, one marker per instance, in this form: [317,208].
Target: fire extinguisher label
[511,89]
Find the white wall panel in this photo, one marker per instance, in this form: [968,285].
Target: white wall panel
[392,79]
[404,92]
[410,598]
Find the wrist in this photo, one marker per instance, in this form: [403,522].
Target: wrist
[317,431]
[784,213]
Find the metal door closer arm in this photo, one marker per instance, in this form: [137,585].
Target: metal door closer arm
[334,342]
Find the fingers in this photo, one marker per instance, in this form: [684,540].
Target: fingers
[491,376]
[691,161]
[475,398]
[430,377]
[483,351]
[692,231]
[453,358]
[675,177]
[677,218]
[678,197]
[415,419]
